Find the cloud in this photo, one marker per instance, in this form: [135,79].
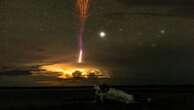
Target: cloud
[14,72]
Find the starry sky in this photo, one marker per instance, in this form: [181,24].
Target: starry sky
[143,37]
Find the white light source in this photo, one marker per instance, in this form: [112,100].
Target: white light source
[102,34]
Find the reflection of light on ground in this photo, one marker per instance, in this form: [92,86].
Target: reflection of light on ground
[67,71]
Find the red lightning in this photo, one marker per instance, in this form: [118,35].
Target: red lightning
[83,6]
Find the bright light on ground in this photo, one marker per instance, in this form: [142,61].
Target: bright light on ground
[69,71]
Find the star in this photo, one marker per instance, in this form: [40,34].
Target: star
[102,34]
[162,31]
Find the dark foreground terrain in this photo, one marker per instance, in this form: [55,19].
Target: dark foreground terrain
[61,98]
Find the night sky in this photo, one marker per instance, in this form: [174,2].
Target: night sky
[146,42]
